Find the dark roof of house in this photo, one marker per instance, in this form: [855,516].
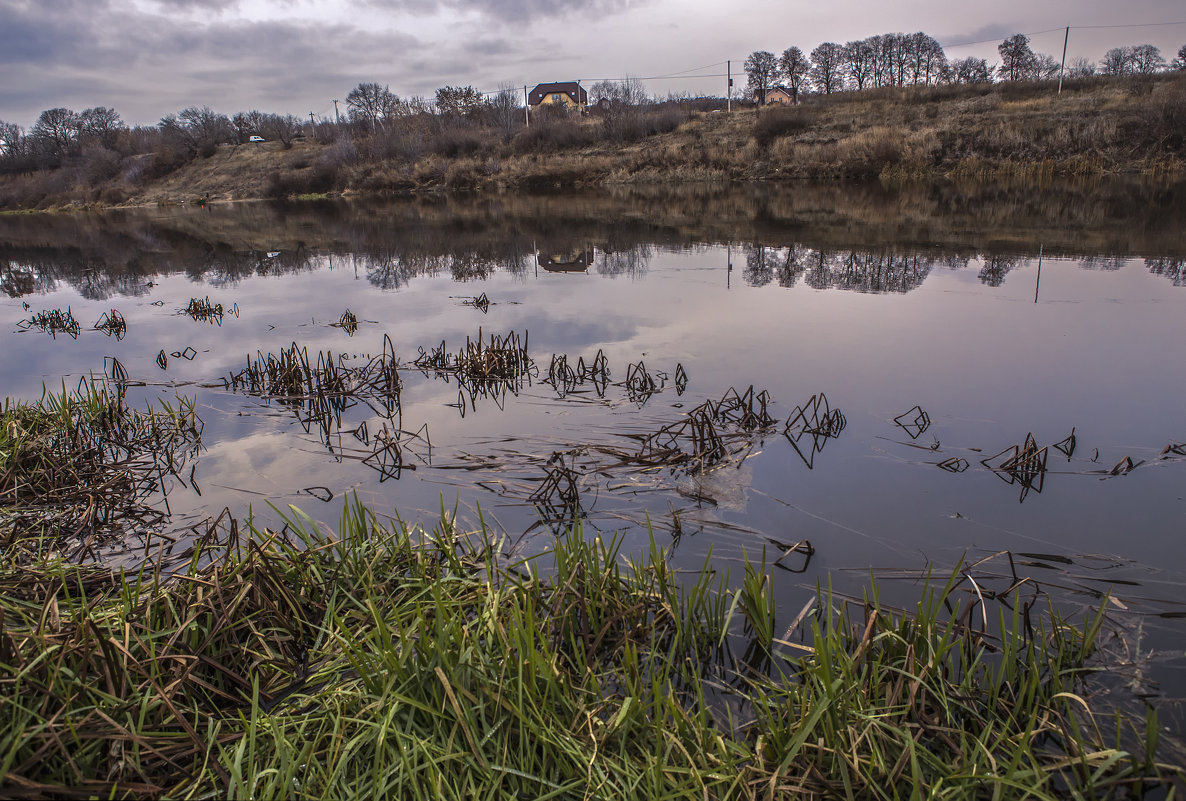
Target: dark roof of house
[567,87]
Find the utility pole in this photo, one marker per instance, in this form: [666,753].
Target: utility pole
[729,90]
[337,119]
[526,107]
[1061,69]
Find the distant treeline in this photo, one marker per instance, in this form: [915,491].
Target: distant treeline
[912,59]
[465,139]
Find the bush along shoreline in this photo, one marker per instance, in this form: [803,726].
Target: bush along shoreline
[1016,130]
[390,661]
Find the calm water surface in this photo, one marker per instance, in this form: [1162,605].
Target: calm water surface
[999,315]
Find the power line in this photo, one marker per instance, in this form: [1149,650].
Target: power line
[1073,28]
[1134,25]
[681,72]
[998,39]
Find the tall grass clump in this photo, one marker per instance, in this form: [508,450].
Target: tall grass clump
[390,661]
[79,468]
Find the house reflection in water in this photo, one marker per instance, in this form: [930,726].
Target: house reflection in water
[576,260]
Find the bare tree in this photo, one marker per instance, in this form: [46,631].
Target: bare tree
[1118,61]
[1147,59]
[1081,68]
[372,103]
[827,68]
[794,66]
[1180,61]
[891,58]
[1018,61]
[100,124]
[505,110]
[14,147]
[602,90]
[927,59]
[859,62]
[56,132]
[633,90]
[281,128]
[198,130]
[458,101]
[971,70]
[898,51]
[629,91]
[761,70]
[877,66]
[247,123]
[11,135]
[1046,67]
[622,119]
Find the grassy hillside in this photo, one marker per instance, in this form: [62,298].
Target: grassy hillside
[1099,126]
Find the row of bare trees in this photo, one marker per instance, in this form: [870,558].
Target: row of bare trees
[901,59]
[61,135]
[373,106]
[891,59]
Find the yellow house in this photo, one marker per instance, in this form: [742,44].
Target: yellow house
[776,94]
[569,94]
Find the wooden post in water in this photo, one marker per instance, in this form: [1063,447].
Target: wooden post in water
[1038,282]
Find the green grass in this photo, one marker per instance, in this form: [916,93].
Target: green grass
[388,661]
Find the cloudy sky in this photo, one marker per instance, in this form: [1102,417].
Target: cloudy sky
[147,58]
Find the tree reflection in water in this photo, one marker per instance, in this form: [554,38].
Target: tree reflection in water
[864,239]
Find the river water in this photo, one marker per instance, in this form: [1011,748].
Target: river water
[947,326]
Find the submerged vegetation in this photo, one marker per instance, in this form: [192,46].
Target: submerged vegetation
[387,661]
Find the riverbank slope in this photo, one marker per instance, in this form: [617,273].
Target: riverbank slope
[1095,127]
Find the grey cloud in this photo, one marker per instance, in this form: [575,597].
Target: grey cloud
[29,35]
[493,47]
[208,5]
[510,10]
[146,66]
[996,31]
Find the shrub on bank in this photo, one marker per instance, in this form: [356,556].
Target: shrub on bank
[773,123]
[550,135]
